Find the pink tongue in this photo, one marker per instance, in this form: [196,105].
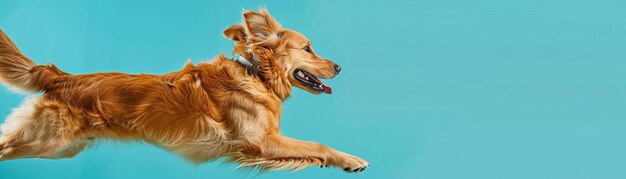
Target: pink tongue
[327,89]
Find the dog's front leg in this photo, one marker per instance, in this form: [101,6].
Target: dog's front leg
[279,152]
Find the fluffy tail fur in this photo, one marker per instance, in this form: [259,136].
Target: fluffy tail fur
[21,73]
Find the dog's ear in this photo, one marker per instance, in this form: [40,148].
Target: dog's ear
[261,24]
[235,32]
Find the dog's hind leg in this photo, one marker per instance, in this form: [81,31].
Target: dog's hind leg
[71,150]
[40,129]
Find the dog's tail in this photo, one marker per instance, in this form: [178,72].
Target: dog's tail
[20,73]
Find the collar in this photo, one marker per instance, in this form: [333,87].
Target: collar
[245,62]
[251,65]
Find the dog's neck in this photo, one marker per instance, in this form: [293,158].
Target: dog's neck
[268,71]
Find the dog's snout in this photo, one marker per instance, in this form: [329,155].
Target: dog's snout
[337,69]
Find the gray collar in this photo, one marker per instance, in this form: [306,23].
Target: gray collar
[252,66]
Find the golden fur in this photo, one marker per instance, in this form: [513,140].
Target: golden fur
[202,112]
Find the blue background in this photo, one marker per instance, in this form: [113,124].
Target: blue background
[430,88]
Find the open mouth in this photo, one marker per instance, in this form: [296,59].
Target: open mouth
[311,81]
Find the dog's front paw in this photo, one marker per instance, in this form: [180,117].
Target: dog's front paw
[352,164]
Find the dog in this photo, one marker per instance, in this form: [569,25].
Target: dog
[227,108]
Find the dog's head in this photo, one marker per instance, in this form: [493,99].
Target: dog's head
[293,52]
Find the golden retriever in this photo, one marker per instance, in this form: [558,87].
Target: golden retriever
[224,108]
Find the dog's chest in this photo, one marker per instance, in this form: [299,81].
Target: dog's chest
[252,117]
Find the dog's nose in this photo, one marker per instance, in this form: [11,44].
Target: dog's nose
[337,69]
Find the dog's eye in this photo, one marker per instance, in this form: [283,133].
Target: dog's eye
[307,49]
